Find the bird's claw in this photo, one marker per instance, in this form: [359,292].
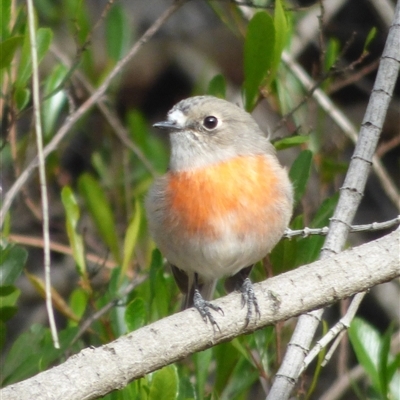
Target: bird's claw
[203,307]
[249,298]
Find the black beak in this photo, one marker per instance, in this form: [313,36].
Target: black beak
[166,125]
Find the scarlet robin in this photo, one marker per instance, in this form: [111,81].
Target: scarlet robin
[223,204]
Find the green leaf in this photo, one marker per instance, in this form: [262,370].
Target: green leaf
[332,53]
[243,377]
[187,389]
[135,314]
[384,353]
[164,384]
[44,37]
[5,18]
[217,87]
[202,361]
[131,237]
[7,312]
[258,56]
[20,361]
[308,249]
[78,302]
[395,385]
[370,37]
[226,355]
[3,335]
[118,32]
[6,291]
[8,299]
[394,367]
[331,57]
[331,168]
[291,141]
[100,210]
[300,172]
[33,351]
[160,287]
[53,105]
[7,50]
[284,256]
[281,28]
[366,343]
[325,212]
[153,147]
[78,18]
[21,97]
[72,215]
[12,262]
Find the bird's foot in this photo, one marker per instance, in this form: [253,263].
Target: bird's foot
[249,298]
[204,306]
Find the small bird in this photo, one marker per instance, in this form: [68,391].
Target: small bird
[223,204]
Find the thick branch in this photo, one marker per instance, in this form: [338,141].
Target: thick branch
[95,372]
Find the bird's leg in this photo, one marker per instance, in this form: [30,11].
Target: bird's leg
[242,282]
[203,306]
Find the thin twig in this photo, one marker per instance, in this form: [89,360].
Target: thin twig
[322,47]
[42,170]
[388,146]
[334,332]
[355,77]
[58,248]
[98,314]
[249,3]
[77,115]
[343,383]
[374,226]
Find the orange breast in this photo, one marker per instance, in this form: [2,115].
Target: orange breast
[239,195]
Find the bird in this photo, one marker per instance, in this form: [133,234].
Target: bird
[222,205]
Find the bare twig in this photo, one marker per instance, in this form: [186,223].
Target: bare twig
[388,146]
[355,77]
[333,333]
[342,384]
[374,226]
[73,118]
[84,326]
[58,248]
[249,3]
[42,170]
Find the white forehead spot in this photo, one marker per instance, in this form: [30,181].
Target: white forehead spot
[178,117]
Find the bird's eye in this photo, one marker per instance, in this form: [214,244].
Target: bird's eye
[210,122]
